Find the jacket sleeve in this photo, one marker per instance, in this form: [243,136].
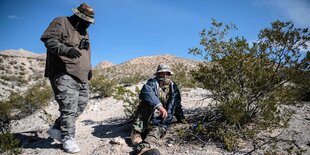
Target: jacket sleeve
[174,107]
[178,112]
[52,38]
[147,95]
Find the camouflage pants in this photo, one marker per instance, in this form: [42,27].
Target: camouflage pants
[72,97]
[149,133]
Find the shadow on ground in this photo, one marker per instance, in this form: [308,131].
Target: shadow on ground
[112,128]
[31,140]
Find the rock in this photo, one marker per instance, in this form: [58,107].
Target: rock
[118,140]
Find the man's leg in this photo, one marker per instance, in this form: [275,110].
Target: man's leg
[66,95]
[83,99]
[140,122]
[150,143]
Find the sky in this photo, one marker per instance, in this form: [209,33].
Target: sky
[127,29]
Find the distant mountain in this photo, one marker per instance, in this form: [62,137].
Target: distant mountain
[22,53]
[104,64]
[145,66]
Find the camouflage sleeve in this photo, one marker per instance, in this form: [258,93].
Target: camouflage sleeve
[52,38]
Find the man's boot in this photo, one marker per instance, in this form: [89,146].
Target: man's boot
[144,148]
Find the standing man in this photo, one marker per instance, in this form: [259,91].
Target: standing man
[160,101]
[68,67]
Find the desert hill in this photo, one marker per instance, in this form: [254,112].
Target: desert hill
[145,66]
[21,68]
[18,70]
[103,64]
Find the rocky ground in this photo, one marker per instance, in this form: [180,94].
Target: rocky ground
[104,129]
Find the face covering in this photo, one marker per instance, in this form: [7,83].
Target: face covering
[164,80]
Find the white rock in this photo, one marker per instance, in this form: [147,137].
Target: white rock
[118,140]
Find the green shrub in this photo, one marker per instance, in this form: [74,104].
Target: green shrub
[302,81]
[102,86]
[182,76]
[130,100]
[249,83]
[34,98]
[8,144]
[131,80]
[18,106]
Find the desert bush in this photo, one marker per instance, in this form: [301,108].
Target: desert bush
[130,100]
[18,106]
[248,82]
[13,62]
[8,144]
[131,80]
[102,86]
[182,76]
[302,81]
[34,98]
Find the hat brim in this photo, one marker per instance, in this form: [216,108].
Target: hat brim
[163,71]
[82,16]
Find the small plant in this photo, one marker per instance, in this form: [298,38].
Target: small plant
[102,86]
[13,62]
[130,100]
[8,144]
[18,106]
[182,76]
[131,80]
[35,98]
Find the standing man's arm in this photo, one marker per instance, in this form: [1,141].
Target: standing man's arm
[52,41]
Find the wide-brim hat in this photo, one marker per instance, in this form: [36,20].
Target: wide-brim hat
[85,12]
[163,68]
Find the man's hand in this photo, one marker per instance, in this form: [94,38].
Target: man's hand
[163,112]
[73,53]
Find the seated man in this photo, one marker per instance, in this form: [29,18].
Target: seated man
[160,101]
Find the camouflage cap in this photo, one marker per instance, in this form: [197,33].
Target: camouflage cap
[163,68]
[85,12]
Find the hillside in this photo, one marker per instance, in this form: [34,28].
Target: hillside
[145,66]
[18,70]
[21,68]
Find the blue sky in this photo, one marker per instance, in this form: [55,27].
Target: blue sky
[126,29]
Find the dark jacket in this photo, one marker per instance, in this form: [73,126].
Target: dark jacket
[149,95]
[58,38]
